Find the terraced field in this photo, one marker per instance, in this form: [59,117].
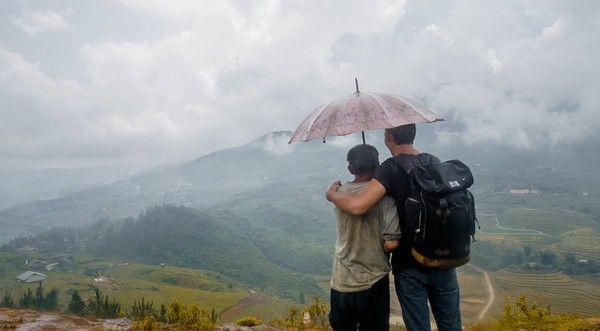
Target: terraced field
[553,222]
[564,294]
[583,242]
[561,223]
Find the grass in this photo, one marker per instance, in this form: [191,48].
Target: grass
[128,282]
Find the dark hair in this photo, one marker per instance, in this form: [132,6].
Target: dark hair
[363,159]
[404,134]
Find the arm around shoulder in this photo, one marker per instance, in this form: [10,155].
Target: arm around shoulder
[356,204]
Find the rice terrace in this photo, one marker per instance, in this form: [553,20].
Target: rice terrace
[548,249]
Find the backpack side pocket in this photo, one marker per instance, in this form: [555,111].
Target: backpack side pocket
[412,218]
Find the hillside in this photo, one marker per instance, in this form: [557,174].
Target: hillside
[208,180]
[265,199]
[214,178]
[178,236]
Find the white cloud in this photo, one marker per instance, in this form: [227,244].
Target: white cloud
[195,76]
[35,22]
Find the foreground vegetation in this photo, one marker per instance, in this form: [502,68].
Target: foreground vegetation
[540,245]
[177,316]
[531,316]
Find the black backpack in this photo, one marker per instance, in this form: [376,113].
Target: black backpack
[439,212]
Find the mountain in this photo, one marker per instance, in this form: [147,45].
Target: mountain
[263,165]
[267,197]
[210,179]
[22,186]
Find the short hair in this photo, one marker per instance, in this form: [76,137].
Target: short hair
[404,134]
[363,159]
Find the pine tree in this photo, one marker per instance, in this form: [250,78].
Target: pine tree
[76,305]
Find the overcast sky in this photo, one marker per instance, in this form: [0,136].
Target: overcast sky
[145,82]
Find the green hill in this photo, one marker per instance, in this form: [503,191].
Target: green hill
[182,237]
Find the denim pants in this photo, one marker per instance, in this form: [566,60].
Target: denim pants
[416,285]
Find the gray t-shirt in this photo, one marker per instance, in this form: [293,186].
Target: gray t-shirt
[360,260]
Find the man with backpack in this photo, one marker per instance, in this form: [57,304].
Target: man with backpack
[415,284]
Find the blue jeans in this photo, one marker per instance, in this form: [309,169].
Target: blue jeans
[416,285]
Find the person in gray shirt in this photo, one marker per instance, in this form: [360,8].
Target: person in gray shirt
[360,295]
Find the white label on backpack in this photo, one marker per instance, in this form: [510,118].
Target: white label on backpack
[454,183]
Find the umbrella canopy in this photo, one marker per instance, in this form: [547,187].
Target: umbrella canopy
[362,111]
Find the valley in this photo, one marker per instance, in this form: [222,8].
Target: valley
[256,238]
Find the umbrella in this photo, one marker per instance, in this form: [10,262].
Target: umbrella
[362,111]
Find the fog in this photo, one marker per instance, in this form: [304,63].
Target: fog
[162,82]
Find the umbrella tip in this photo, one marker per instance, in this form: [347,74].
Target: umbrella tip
[356,83]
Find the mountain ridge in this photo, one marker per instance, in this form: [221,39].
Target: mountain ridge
[215,177]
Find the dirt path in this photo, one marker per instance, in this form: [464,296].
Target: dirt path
[492,295]
[251,300]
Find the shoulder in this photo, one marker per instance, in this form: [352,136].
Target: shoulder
[353,188]
[427,158]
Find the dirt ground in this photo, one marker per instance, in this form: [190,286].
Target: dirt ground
[31,320]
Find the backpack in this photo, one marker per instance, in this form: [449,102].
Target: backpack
[439,212]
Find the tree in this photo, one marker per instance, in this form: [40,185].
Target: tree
[570,259]
[51,299]
[547,257]
[7,301]
[527,250]
[76,305]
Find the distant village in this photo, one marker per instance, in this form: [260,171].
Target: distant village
[534,191]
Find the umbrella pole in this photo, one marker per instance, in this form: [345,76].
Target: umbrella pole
[357,91]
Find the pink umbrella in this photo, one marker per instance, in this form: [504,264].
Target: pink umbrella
[359,112]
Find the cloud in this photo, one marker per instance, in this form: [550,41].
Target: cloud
[173,80]
[41,21]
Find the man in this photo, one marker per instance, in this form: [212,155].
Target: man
[360,295]
[415,284]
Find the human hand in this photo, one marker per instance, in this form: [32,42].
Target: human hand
[332,189]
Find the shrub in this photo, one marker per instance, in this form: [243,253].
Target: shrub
[76,305]
[147,324]
[140,310]
[319,317]
[7,301]
[191,317]
[99,306]
[527,316]
[248,321]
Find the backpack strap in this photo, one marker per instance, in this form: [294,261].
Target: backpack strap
[405,163]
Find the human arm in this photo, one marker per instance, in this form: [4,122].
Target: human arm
[356,204]
[391,231]
[390,245]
